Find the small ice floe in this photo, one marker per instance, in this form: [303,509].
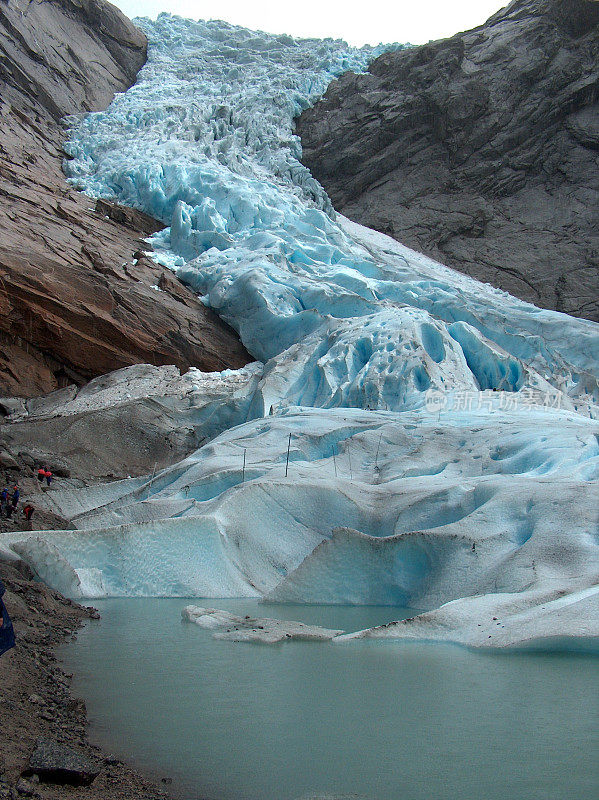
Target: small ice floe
[254,629]
[552,617]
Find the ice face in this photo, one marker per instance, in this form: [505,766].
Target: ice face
[108,562]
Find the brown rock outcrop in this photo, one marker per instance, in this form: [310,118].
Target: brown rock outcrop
[479,150]
[78,297]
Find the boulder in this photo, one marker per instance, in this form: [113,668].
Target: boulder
[56,763]
[7,461]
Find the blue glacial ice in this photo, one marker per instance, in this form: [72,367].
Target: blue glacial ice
[204,141]
[493,509]
[443,448]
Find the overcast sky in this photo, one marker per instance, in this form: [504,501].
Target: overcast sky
[368,21]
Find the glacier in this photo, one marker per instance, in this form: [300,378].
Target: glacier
[204,142]
[407,436]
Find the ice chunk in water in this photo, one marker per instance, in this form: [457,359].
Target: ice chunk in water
[255,629]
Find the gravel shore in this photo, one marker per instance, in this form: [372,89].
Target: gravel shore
[37,705]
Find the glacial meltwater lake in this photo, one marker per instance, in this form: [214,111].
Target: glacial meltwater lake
[362,719]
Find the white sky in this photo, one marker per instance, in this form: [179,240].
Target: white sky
[367,21]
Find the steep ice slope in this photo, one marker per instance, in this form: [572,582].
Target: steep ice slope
[204,141]
[445,426]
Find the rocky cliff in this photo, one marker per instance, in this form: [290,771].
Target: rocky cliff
[480,150]
[78,295]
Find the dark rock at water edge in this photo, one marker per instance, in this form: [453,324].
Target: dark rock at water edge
[36,702]
[481,151]
[58,763]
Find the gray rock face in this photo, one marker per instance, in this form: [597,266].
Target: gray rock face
[481,151]
[66,56]
[58,763]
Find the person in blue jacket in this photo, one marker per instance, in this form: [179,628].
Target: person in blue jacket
[15,496]
[7,634]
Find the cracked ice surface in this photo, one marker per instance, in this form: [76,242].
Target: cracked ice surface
[487,506]
[204,141]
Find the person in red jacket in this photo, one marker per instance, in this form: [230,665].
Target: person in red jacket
[28,513]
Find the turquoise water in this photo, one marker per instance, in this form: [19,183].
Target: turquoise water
[376,720]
